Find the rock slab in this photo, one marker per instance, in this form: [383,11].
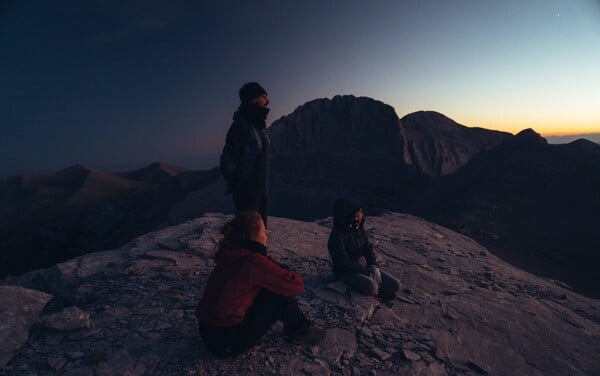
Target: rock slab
[19,309]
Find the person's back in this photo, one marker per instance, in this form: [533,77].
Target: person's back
[247,292]
[238,277]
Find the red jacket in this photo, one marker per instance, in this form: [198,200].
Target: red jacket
[235,282]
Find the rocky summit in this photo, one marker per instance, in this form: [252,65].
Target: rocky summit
[461,311]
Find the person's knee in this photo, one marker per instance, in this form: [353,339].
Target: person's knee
[390,282]
[372,290]
[364,284]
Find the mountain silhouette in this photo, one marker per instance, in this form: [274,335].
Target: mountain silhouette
[533,203]
[437,145]
[49,218]
[360,127]
[155,173]
[358,147]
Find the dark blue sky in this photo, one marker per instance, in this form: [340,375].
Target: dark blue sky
[119,84]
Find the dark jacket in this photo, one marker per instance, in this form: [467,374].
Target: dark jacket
[239,275]
[245,157]
[347,244]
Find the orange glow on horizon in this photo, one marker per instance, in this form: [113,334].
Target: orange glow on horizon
[554,127]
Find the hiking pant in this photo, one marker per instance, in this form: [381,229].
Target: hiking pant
[266,309]
[367,285]
[252,201]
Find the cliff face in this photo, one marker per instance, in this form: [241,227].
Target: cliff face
[349,146]
[534,203]
[363,128]
[343,126]
[462,311]
[438,145]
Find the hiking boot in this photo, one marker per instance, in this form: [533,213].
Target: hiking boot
[308,335]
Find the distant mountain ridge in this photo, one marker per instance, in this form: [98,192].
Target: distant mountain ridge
[361,127]
[155,173]
[592,137]
[536,203]
[357,146]
[437,145]
[48,218]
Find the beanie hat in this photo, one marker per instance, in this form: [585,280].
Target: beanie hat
[250,91]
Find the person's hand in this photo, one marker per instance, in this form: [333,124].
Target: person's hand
[375,273]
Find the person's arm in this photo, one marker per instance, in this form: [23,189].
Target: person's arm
[337,250]
[265,273]
[368,251]
[370,258]
[230,155]
[249,154]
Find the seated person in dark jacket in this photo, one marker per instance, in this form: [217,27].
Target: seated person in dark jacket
[247,292]
[348,245]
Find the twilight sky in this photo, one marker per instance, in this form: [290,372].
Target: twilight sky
[119,84]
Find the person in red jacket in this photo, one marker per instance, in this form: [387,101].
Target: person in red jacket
[247,292]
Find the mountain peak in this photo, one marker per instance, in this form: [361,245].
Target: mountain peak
[74,169]
[528,136]
[439,145]
[343,125]
[584,144]
[154,173]
[363,128]
[428,118]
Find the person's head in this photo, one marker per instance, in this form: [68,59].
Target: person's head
[246,226]
[359,215]
[347,213]
[253,93]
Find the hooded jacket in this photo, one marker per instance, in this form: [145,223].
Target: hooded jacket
[347,244]
[244,160]
[236,280]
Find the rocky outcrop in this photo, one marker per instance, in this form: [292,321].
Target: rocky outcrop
[20,308]
[461,311]
[363,128]
[357,146]
[533,203]
[341,126]
[439,146]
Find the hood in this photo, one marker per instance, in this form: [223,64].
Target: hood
[343,211]
[253,113]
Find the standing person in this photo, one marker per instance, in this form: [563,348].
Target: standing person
[247,292]
[245,157]
[348,244]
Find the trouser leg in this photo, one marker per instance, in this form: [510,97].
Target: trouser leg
[361,282]
[389,284]
[269,308]
[266,309]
